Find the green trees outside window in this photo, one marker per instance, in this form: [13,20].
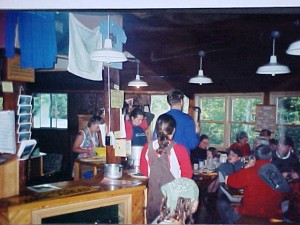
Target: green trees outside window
[224,115]
[50,110]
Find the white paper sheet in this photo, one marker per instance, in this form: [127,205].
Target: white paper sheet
[7,132]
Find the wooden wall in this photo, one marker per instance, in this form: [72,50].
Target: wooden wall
[84,97]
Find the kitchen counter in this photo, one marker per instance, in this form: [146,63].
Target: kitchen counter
[30,207]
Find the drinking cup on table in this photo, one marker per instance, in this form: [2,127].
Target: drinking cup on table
[201,164]
[196,166]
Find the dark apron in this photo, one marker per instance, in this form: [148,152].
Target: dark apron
[160,174]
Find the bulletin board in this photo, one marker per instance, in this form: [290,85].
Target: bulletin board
[265,117]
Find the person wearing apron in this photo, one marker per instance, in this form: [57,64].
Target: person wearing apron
[162,161]
[135,126]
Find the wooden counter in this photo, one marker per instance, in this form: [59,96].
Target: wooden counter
[31,207]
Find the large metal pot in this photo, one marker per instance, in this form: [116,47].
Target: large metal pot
[113,171]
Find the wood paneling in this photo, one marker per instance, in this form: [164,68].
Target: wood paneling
[9,176]
[22,211]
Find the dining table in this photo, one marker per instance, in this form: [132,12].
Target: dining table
[206,181]
[95,164]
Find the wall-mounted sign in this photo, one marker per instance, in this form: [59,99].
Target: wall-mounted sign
[265,117]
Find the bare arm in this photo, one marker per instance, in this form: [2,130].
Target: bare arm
[76,145]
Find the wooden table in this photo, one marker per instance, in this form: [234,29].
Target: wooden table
[204,180]
[30,207]
[95,164]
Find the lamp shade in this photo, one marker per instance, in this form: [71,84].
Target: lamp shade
[137,82]
[108,54]
[273,67]
[200,79]
[294,48]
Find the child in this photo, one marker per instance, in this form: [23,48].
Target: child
[180,201]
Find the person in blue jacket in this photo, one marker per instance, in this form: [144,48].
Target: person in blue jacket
[186,131]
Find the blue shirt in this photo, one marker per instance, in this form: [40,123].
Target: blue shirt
[228,168]
[139,137]
[185,133]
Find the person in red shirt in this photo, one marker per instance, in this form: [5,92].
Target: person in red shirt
[259,199]
[242,143]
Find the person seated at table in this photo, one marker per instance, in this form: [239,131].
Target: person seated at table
[265,133]
[284,159]
[200,153]
[292,214]
[162,161]
[273,143]
[241,142]
[213,153]
[259,198]
[232,164]
[88,138]
[180,201]
[212,158]
[259,140]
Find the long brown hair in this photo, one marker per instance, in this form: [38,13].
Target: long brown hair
[164,127]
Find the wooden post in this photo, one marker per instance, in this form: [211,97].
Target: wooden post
[9,176]
[110,156]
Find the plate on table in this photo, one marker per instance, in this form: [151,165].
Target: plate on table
[93,159]
[138,176]
[197,172]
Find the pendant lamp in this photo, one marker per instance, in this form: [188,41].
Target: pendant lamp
[200,78]
[273,67]
[294,48]
[107,53]
[137,82]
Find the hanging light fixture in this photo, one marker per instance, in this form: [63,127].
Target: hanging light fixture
[294,48]
[107,53]
[273,67]
[137,82]
[200,78]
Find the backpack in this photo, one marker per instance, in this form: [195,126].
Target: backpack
[273,178]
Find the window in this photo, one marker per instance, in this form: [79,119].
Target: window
[223,115]
[50,110]
[160,105]
[287,115]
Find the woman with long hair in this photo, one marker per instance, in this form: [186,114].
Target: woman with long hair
[162,161]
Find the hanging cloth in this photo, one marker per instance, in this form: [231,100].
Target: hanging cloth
[82,42]
[37,38]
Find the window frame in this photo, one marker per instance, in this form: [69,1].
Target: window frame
[34,95]
[273,100]
[229,97]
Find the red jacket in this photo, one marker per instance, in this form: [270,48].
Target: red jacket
[259,199]
[245,149]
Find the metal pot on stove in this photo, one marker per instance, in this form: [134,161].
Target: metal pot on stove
[113,171]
